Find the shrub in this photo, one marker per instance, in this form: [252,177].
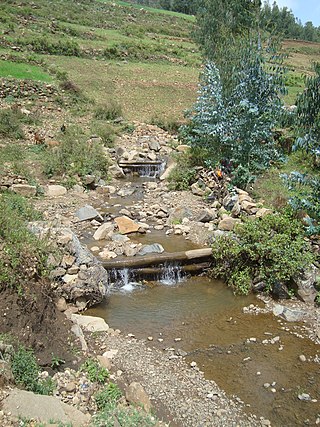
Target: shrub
[105,131]
[20,250]
[10,124]
[76,156]
[169,124]
[109,111]
[45,46]
[110,393]
[95,371]
[183,175]
[271,250]
[25,370]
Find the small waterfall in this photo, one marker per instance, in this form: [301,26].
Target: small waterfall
[171,275]
[123,279]
[150,170]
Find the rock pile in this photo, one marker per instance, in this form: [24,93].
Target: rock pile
[26,89]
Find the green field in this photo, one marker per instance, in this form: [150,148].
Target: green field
[18,70]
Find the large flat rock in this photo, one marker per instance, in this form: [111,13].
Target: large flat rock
[25,404]
[90,323]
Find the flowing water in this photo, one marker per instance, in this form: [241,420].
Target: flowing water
[209,323]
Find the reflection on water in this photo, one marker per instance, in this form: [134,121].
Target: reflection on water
[214,331]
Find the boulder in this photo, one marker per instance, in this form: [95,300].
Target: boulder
[105,231]
[165,175]
[207,215]
[263,212]
[91,285]
[116,171]
[198,190]
[27,405]
[154,145]
[248,206]
[24,189]
[90,323]
[183,148]
[87,212]
[55,190]
[126,225]
[288,314]
[228,224]
[304,284]
[136,394]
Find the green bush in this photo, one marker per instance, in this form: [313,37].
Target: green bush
[45,46]
[271,250]
[10,124]
[110,111]
[110,393]
[25,370]
[105,131]
[183,175]
[126,417]
[168,124]
[20,250]
[95,371]
[76,156]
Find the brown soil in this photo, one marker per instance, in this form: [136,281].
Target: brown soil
[36,323]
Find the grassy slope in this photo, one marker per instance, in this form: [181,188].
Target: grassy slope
[151,67]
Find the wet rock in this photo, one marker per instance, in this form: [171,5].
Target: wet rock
[119,238]
[87,213]
[106,254]
[280,291]
[24,189]
[82,255]
[92,285]
[126,225]
[126,192]
[55,191]
[136,394]
[289,314]
[105,231]
[155,248]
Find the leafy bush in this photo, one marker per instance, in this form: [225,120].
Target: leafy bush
[305,197]
[110,393]
[126,416]
[20,250]
[169,124]
[25,370]
[75,156]
[271,250]
[95,371]
[109,111]
[10,124]
[183,175]
[45,46]
[105,131]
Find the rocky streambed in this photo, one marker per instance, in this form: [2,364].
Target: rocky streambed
[177,338]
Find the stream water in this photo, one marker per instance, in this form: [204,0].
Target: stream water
[204,319]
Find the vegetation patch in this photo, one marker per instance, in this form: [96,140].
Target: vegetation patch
[270,251]
[20,70]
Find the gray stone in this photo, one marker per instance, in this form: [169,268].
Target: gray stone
[24,189]
[197,190]
[305,285]
[105,362]
[126,192]
[119,238]
[207,215]
[105,231]
[154,145]
[155,248]
[24,404]
[61,304]
[87,212]
[82,255]
[57,272]
[91,284]
[136,394]
[288,314]
[116,171]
